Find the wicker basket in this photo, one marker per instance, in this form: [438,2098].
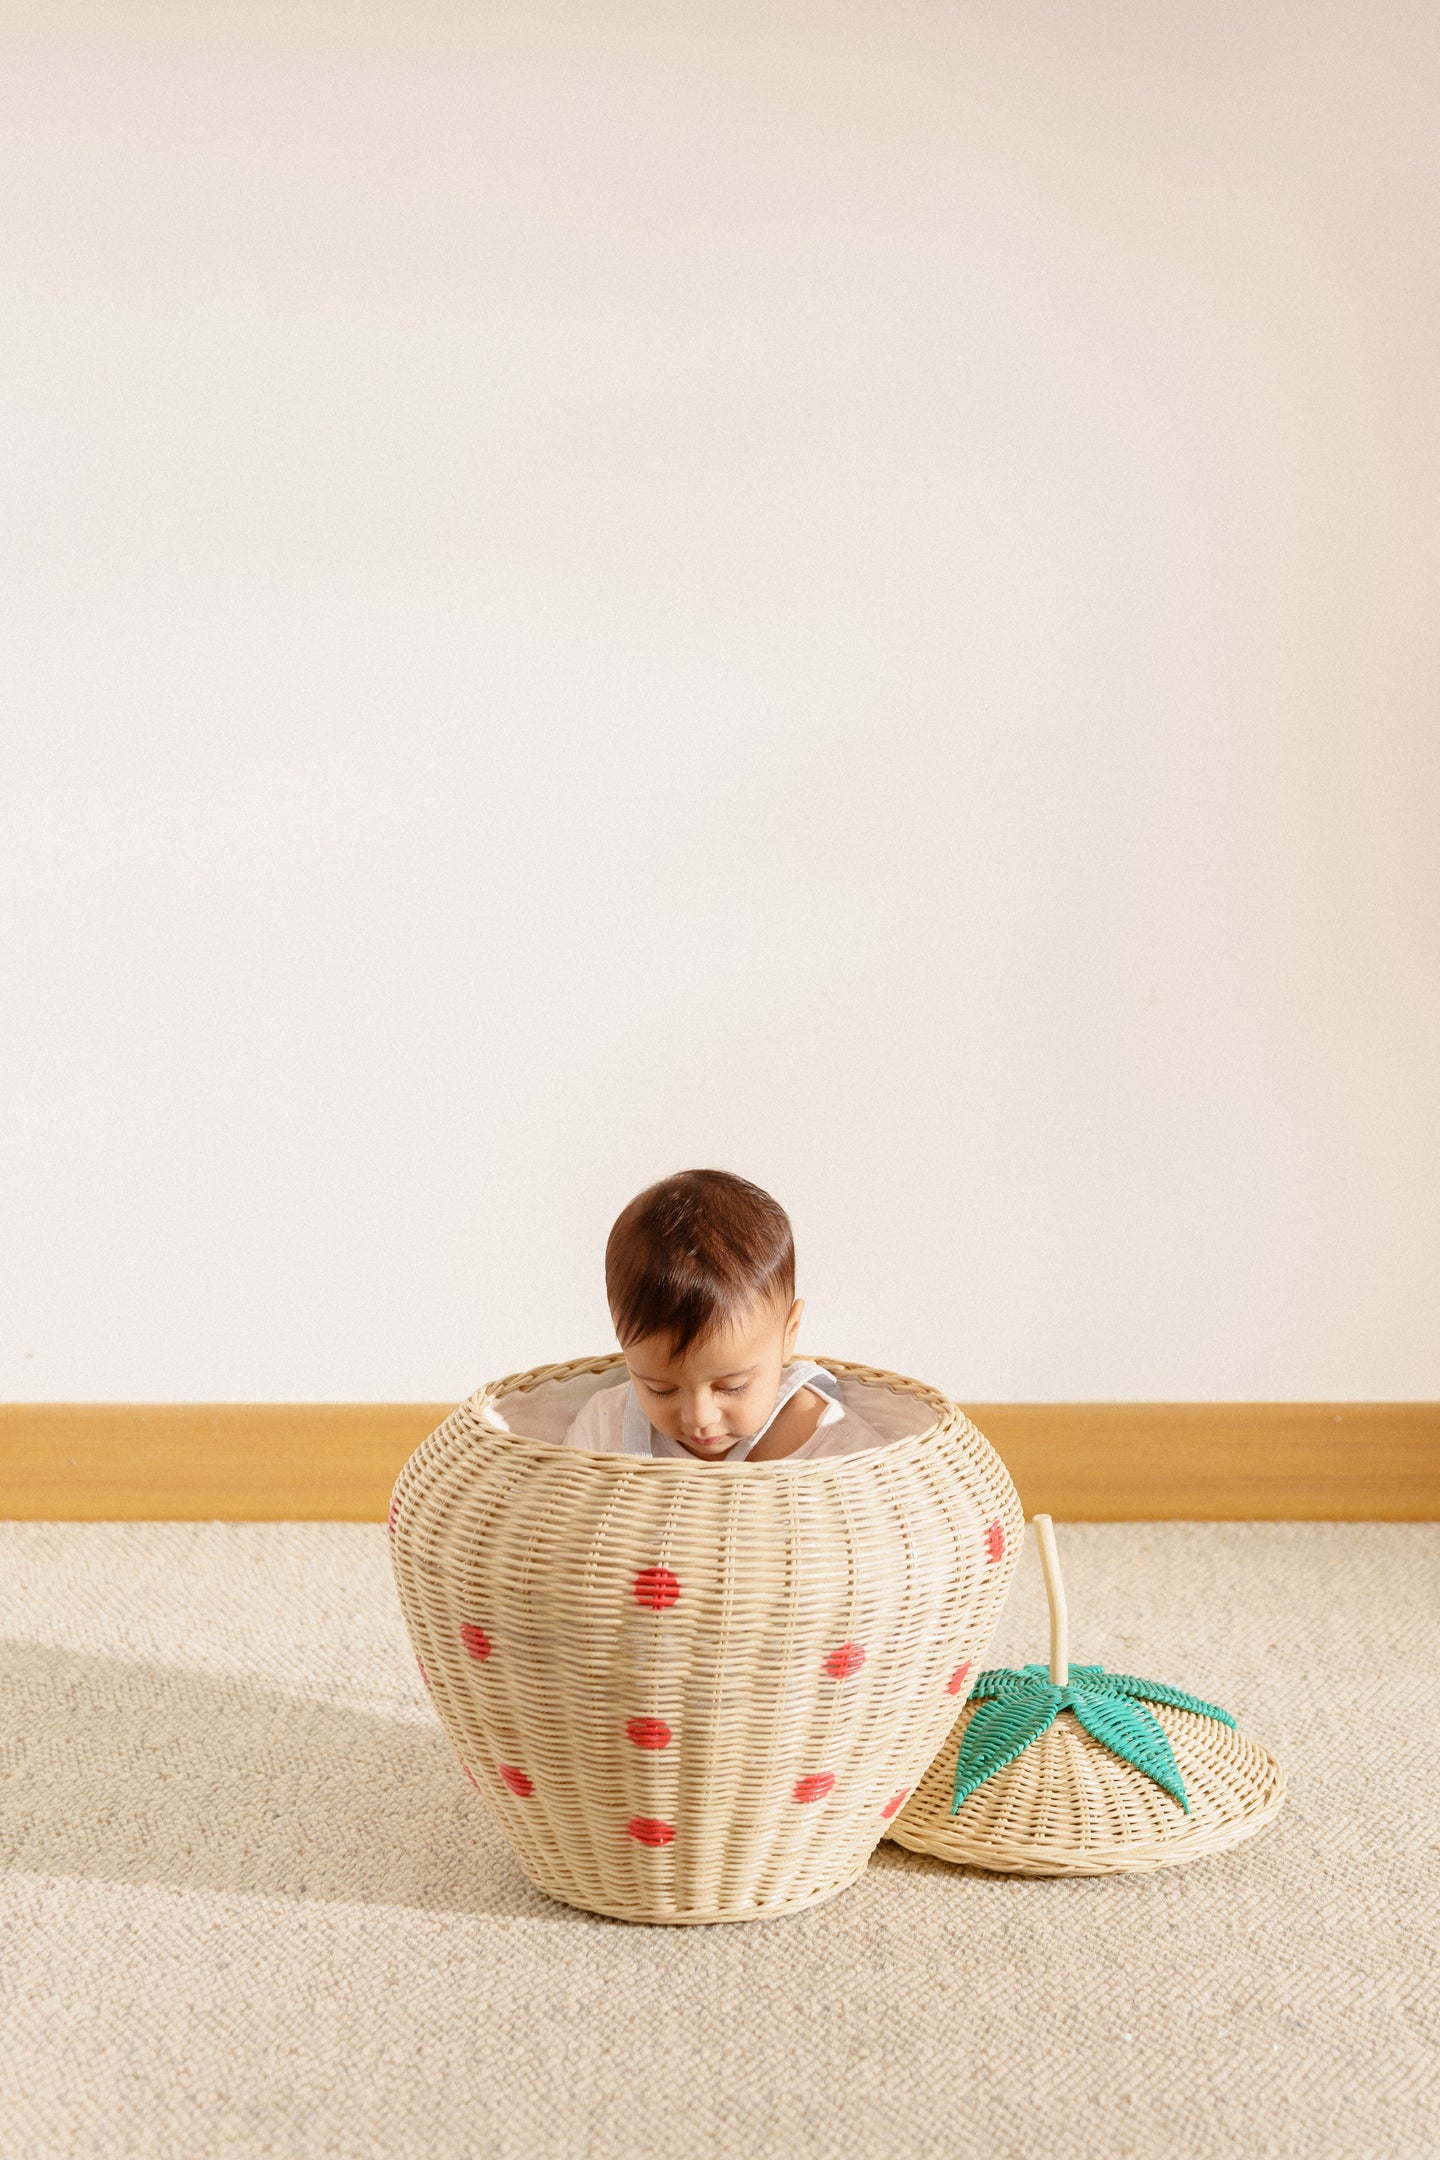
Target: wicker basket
[696,1691]
[1069,1805]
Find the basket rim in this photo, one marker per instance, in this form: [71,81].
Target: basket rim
[949,1418]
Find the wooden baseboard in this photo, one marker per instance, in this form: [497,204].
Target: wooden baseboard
[1081,1462]
[1221,1462]
[204,1462]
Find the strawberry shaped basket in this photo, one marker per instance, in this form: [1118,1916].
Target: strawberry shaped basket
[1070,1770]
[698,1691]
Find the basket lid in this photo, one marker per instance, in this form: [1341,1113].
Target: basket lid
[1065,1770]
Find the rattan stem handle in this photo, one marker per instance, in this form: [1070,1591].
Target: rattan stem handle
[1054,1590]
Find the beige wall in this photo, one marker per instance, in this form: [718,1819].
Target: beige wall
[849,593]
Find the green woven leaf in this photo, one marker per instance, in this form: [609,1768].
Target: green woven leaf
[1096,1681]
[999,1730]
[1156,1691]
[1133,1733]
[1020,1703]
[1003,1680]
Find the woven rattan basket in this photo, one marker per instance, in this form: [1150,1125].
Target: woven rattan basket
[696,1691]
[1069,1805]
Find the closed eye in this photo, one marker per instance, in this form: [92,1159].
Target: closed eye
[740,1390]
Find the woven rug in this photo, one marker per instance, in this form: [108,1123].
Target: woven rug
[250,1906]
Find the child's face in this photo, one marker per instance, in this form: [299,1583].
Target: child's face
[722,1389]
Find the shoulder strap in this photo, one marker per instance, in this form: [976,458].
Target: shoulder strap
[803,1372]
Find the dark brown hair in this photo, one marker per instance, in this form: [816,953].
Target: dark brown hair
[693,1252]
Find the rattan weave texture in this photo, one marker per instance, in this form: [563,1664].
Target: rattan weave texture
[696,1692]
[1068,1806]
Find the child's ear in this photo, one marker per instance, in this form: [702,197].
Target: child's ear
[792,1324]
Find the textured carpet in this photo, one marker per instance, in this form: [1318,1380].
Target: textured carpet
[251,1906]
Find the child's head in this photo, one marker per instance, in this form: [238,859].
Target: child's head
[700,1274]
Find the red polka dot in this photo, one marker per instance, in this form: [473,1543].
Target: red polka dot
[846,1660]
[995,1540]
[657,1588]
[423,1674]
[647,1831]
[958,1678]
[649,1732]
[472,1777]
[815,1788]
[516,1780]
[475,1639]
[893,1807]
[394,1505]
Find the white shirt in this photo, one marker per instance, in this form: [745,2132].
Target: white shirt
[613,1422]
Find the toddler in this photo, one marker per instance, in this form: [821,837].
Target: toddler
[700,1276]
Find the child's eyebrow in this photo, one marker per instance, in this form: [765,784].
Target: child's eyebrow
[719,1376]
